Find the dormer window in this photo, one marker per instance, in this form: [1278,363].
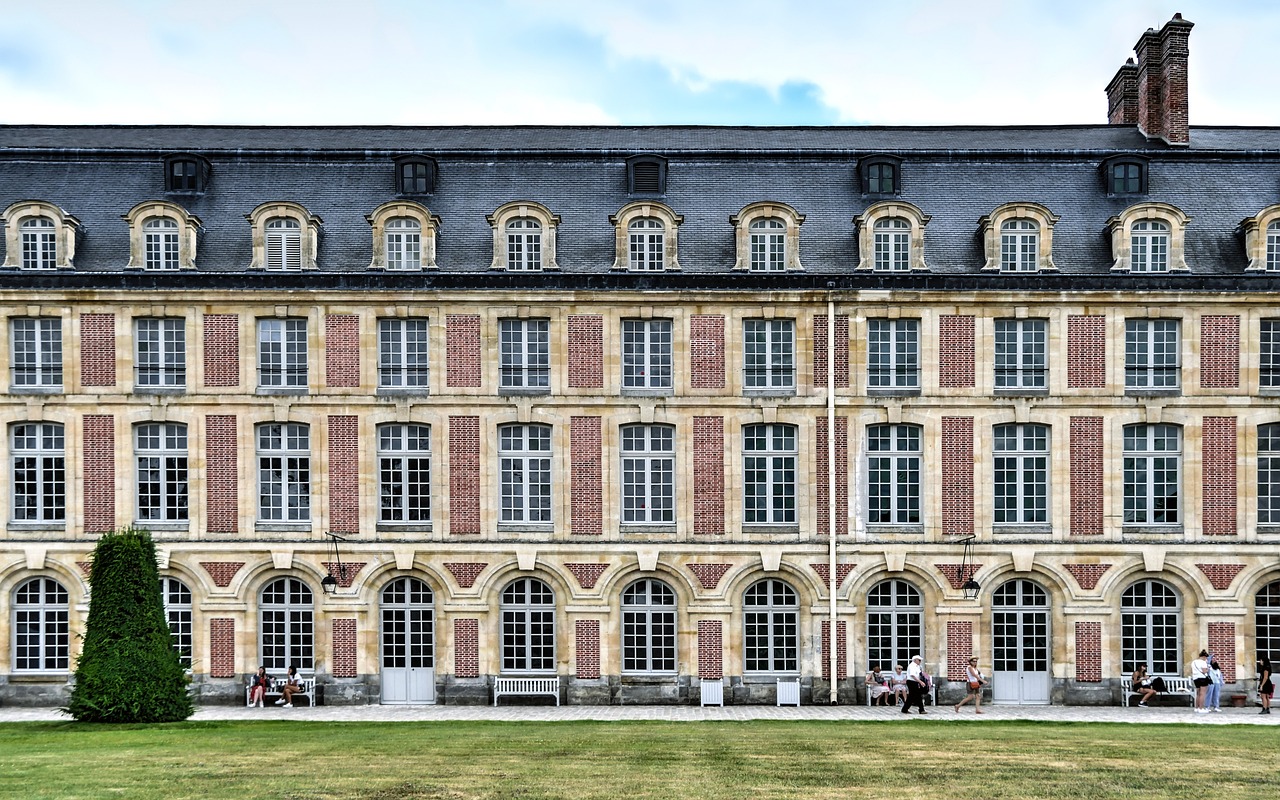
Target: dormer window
[646,243]
[524,237]
[768,245]
[1273,247]
[1149,247]
[767,236]
[646,175]
[1148,237]
[524,245]
[162,236]
[1262,240]
[1019,246]
[404,244]
[284,244]
[415,175]
[881,175]
[645,237]
[893,245]
[404,236]
[1018,238]
[1125,175]
[39,244]
[160,239]
[39,236]
[285,237]
[185,174]
[891,237]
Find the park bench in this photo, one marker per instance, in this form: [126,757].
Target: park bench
[930,697]
[1176,686]
[276,690]
[526,687]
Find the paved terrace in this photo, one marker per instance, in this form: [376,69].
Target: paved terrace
[943,714]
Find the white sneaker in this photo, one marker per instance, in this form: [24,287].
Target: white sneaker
[1215,710]
[280,702]
[288,705]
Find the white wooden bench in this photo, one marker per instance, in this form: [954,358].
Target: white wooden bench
[1177,686]
[277,687]
[526,687]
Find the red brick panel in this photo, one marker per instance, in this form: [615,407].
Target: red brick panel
[708,475]
[957,476]
[86,568]
[222,648]
[222,490]
[1220,575]
[957,576]
[342,351]
[1222,646]
[466,648]
[1086,352]
[462,350]
[221,350]
[587,638]
[841,351]
[466,572]
[1219,352]
[585,492]
[710,650]
[98,349]
[706,351]
[1218,444]
[344,474]
[955,351]
[344,648]
[824,573]
[842,650]
[709,575]
[959,648]
[587,574]
[822,481]
[464,475]
[99,473]
[1088,652]
[586,351]
[222,572]
[345,572]
[1086,476]
[1087,575]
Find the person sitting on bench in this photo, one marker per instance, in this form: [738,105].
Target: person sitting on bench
[291,687]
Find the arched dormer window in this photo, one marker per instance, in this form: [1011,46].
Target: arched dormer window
[404,236]
[416,175]
[185,174]
[645,237]
[1262,240]
[1008,248]
[285,237]
[891,237]
[524,237]
[1148,237]
[39,235]
[162,236]
[767,238]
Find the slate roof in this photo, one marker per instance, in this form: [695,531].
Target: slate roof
[955,174]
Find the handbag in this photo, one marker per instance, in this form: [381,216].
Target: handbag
[975,685]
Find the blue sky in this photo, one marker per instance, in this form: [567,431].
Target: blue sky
[603,62]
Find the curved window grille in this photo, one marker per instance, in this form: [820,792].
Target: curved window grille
[287,626]
[1150,628]
[41,627]
[895,624]
[528,610]
[771,639]
[648,627]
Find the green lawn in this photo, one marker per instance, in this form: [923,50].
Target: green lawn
[927,759]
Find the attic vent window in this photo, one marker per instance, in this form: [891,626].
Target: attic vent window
[1124,175]
[184,174]
[646,175]
[415,176]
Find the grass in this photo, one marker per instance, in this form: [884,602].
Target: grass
[531,761]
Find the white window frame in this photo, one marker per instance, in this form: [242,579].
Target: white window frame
[1140,606]
[524,360]
[39,243]
[403,243]
[1152,475]
[178,610]
[770,629]
[282,353]
[284,472]
[1149,246]
[528,609]
[1269,353]
[892,244]
[647,354]
[161,244]
[646,245]
[160,352]
[1152,354]
[38,449]
[41,613]
[647,453]
[286,626]
[1266,620]
[769,354]
[1021,354]
[895,624]
[36,353]
[894,465]
[649,628]
[524,245]
[770,455]
[1269,474]
[768,245]
[404,349]
[282,243]
[404,473]
[893,354]
[524,467]
[1273,247]
[1020,474]
[1019,246]
[161,488]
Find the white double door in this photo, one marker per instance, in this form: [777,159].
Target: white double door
[1020,670]
[408,652]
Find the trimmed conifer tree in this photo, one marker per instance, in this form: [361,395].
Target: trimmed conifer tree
[128,670]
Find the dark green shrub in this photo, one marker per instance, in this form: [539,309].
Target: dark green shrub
[128,670]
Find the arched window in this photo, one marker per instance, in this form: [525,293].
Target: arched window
[524,455]
[161,452]
[769,474]
[771,620]
[404,243]
[287,626]
[404,473]
[648,475]
[893,245]
[1149,247]
[1152,474]
[177,610]
[39,476]
[1019,246]
[41,627]
[1150,628]
[160,243]
[1269,474]
[524,245]
[646,243]
[1021,473]
[39,243]
[768,245]
[528,626]
[645,237]
[893,474]
[895,624]
[38,235]
[283,244]
[1273,247]
[648,627]
[1266,620]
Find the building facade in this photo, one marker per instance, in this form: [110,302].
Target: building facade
[646,408]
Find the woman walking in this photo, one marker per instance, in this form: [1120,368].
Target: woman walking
[975,682]
[1265,685]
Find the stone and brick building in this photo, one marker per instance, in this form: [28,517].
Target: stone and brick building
[642,408]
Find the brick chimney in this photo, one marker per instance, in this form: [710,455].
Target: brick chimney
[1153,93]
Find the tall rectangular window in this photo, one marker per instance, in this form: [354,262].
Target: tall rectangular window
[646,354]
[524,454]
[177,610]
[1269,353]
[768,353]
[893,474]
[39,472]
[769,474]
[1021,474]
[1152,474]
[284,473]
[404,473]
[648,474]
[161,357]
[403,345]
[1021,354]
[161,452]
[525,353]
[282,353]
[1151,354]
[1269,474]
[36,344]
[893,354]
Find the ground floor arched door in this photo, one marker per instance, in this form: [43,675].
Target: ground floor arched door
[1020,672]
[407,633]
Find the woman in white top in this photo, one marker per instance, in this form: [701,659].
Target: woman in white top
[898,684]
[975,682]
[1200,677]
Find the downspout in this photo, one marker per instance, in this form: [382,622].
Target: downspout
[832,638]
